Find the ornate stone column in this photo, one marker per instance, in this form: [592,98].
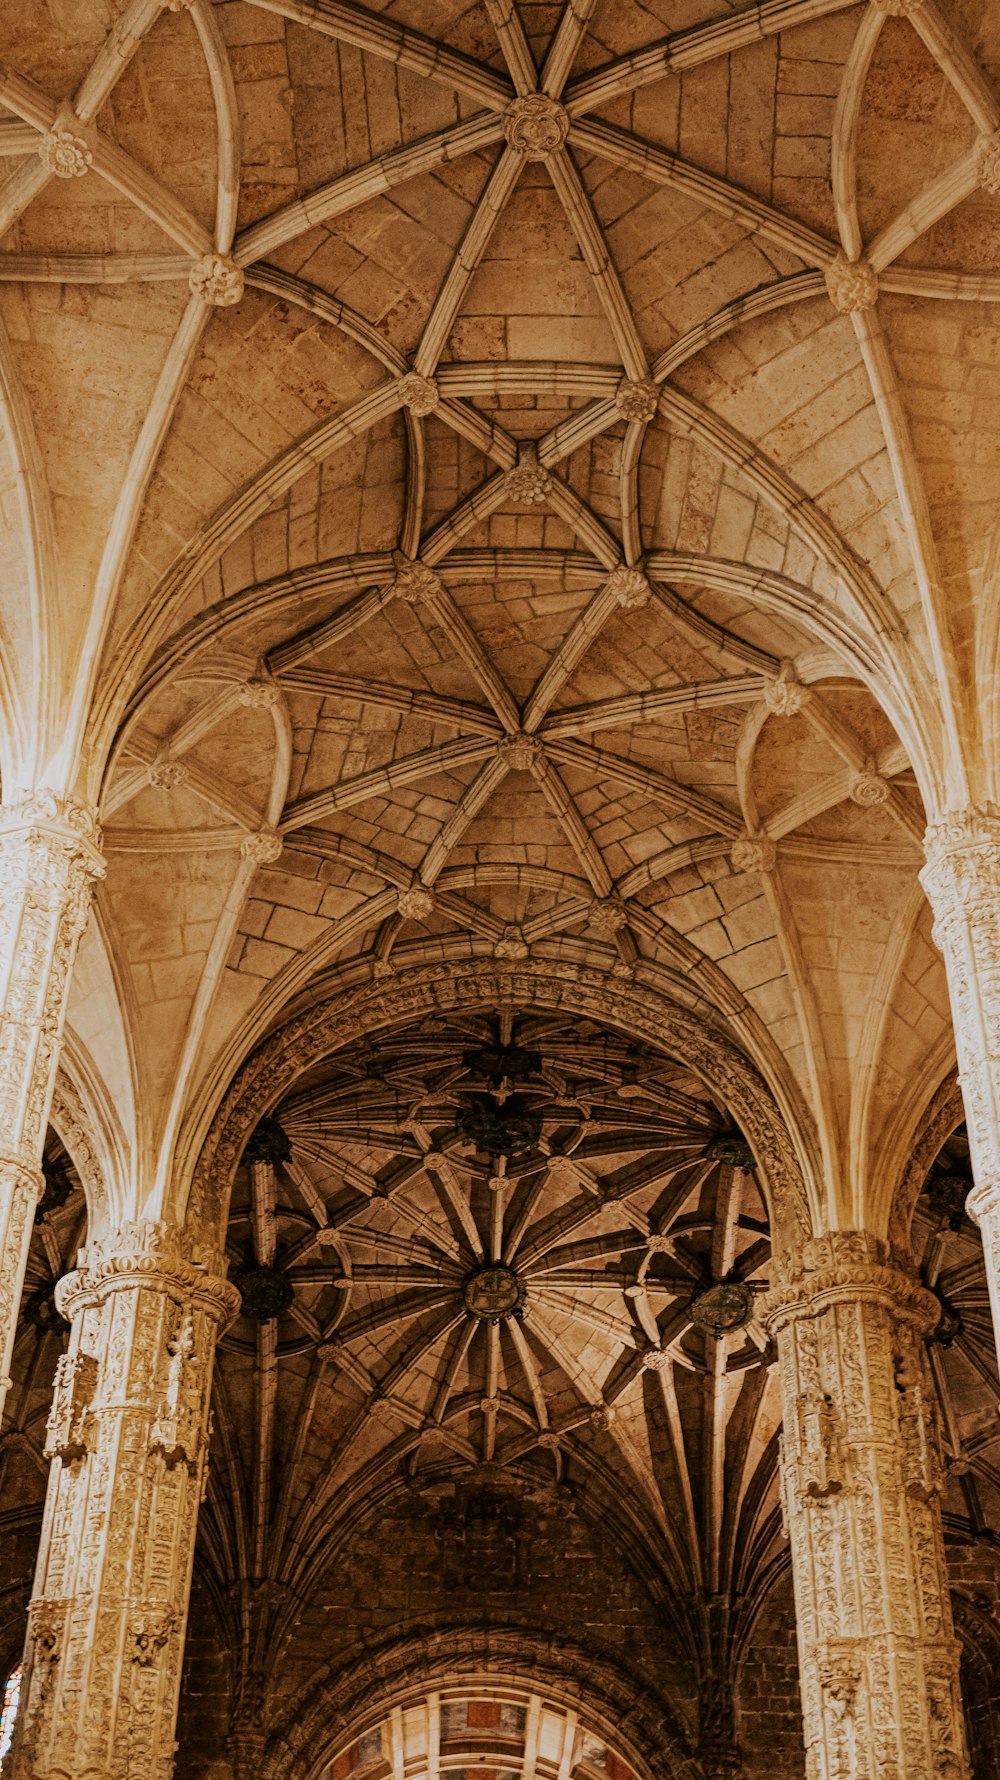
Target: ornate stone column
[127,1436]
[861,1484]
[49,860]
[962,881]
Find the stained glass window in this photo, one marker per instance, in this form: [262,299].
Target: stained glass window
[8,1712]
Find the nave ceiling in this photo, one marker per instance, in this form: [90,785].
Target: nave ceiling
[498,511]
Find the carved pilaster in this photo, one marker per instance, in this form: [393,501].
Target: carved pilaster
[49,860]
[861,1494]
[962,881]
[127,1435]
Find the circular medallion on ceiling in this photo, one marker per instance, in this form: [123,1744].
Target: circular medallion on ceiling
[493,1292]
[723,1307]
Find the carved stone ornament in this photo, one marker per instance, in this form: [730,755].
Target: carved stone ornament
[262,848]
[65,153]
[840,1678]
[869,788]
[48,810]
[637,398]
[852,285]
[601,1418]
[258,695]
[521,753]
[607,916]
[511,944]
[179,1429]
[731,1149]
[655,1360]
[415,904]
[217,280]
[168,775]
[493,1293]
[988,164]
[419,394]
[550,1441]
[266,1292]
[149,1631]
[535,125]
[72,1392]
[414,580]
[723,1308]
[630,587]
[528,483]
[785,696]
[753,852]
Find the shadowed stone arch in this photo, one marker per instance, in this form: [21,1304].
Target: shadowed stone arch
[941,1116]
[336,1702]
[444,988]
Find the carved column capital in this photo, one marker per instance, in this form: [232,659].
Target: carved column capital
[158,1258]
[963,859]
[846,1267]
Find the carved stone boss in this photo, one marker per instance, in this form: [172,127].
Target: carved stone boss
[962,881]
[127,1436]
[49,861]
[861,1484]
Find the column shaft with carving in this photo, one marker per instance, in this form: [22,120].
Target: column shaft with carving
[861,1483]
[962,881]
[49,860]
[127,1436]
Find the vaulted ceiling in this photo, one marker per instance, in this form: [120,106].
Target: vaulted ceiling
[461,501]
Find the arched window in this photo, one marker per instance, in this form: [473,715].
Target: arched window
[8,1712]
